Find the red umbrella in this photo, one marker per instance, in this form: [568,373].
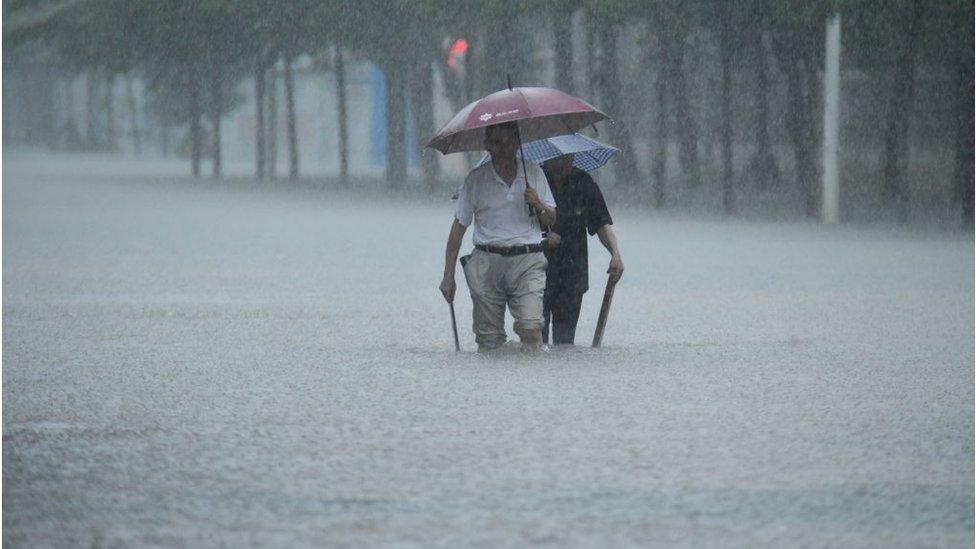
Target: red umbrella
[540,113]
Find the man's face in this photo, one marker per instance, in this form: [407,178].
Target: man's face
[500,141]
[559,167]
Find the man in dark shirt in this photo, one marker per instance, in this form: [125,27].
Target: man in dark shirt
[581,209]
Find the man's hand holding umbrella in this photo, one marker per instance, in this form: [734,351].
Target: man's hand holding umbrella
[546,215]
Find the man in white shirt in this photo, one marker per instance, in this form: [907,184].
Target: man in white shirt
[507,265]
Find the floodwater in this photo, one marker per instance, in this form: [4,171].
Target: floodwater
[191,364]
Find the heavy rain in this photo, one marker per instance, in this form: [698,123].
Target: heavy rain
[226,313]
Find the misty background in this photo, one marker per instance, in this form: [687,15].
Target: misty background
[716,105]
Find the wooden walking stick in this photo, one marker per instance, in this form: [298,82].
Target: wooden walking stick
[457,344]
[601,323]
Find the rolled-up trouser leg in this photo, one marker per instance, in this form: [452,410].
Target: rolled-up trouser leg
[487,299]
[525,281]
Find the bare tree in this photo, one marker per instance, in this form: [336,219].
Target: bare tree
[562,29]
[660,155]
[725,45]
[608,82]
[900,107]
[340,74]
[290,115]
[962,63]
[272,96]
[216,110]
[196,114]
[134,130]
[111,142]
[422,107]
[792,44]
[260,79]
[396,123]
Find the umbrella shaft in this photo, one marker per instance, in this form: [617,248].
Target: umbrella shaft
[525,174]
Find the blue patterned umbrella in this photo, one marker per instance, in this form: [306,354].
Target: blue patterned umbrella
[588,153]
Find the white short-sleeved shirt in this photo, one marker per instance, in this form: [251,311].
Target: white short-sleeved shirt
[498,211]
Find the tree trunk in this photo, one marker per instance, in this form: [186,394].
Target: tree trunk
[340,69]
[26,118]
[472,61]
[290,114]
[8,129]
[422,106]
[273,121]
[22,98]
[725,37]
[59,114]
[155,126]
[46,102]
[762,100]
[110,138]
[964,146]
[763,165]
[164,138]
[8,135]
[196,130]
[91,125]
[681,97]
[217,109]
[396,125]
[33,106]
[130,99]
[474,67]
[453,76]
[259,93]
[495,66]
[589,37]
[900,108]
[502,62]
[661,138]
[609,85]
[562,27]
[799,116]
[71,137]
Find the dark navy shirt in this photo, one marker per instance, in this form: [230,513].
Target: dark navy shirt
[580,208]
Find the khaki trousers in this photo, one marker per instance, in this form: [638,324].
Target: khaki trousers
[496,280]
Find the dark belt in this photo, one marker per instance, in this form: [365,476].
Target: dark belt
[510,250]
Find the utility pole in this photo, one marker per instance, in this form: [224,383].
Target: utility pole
[830,208]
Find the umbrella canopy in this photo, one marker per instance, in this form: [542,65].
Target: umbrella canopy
[540,113]
[588,153]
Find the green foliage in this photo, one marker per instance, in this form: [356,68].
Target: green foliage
[120,35]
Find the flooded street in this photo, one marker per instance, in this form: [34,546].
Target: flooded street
[191,364]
